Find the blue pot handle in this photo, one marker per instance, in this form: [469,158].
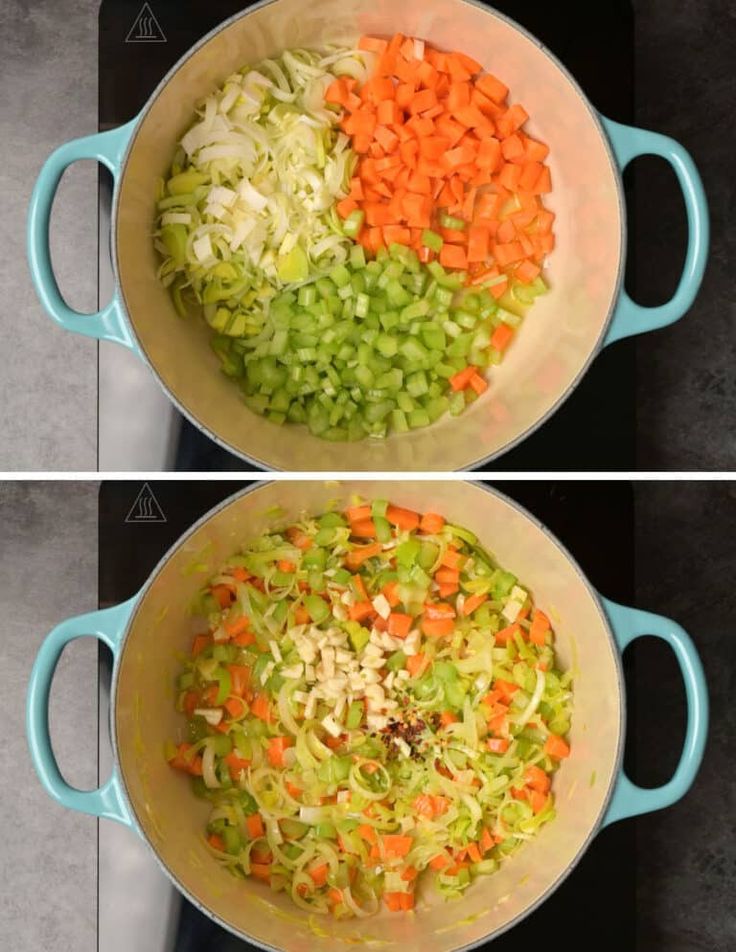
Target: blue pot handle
[629,143]
[628,799]
[108,625]
[108,148]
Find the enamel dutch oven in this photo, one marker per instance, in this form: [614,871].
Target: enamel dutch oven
[146,633]
[586,309]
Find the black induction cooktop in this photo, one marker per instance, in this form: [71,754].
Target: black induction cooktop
[595,429]
[137,524]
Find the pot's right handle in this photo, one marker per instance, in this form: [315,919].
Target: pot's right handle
[628,799]
[629,143]
[108,625]
[108,148]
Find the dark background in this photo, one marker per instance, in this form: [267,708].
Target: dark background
[660,883]
[686,88]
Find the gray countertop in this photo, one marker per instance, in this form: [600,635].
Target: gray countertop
[48,571]
[48,73]
[48,390]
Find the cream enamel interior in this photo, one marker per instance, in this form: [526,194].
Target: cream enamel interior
[563,329]
[172,819]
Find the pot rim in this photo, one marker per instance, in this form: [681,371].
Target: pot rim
[478,484]
[561,399]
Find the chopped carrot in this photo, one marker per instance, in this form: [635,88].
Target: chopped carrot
[538,800]
[298,538]
[390,592]
[367,832]
[236,764]
[438,610]
[357,556]
[334,895]
[507,688]
[260,853]
[501,337]
[224,595]
[244,639]
[415,663]
[447,717]
[261,707]
[438,628]
[536,778]
[399,625]
[238,626]
[486,841]
[538,628]
[557,747]
[393,901]
[360,588]
[431,523]
[396,844]
[358,513]
[478,383]
[255,827]
[403,518]
[364,529]
[441,861]
[239,678]
[276,748]
[447,574]
[191,701]
[235,706]
[261,871]
[406,902]
[474,853]
[472,602]
[239,573]
[453,256]
[319,874]
[506,634]
[216,842]
[461,379]
[452,559]
[200,643]
[360,610]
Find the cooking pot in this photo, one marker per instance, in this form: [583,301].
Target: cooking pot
[586,309]
[147,632]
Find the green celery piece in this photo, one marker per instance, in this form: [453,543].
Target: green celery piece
[354,716]
[407,552]
[396,661]
[222,676]
[293,829]
[318,609]
[503,583]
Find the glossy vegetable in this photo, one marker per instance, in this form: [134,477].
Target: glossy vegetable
[392,721]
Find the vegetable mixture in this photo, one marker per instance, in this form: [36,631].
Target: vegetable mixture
[363,230]
[372,704]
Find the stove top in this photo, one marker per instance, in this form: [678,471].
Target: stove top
[139,42]
[138,908]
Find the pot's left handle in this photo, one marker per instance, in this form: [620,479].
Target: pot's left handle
[108,800]
[629,317]
[108,148]
[629,799]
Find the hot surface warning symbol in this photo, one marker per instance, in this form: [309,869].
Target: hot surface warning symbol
[145,28]
[146,507]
